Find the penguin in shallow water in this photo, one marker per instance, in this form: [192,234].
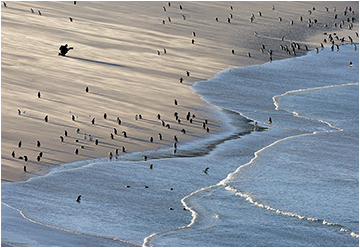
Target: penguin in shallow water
[78,199]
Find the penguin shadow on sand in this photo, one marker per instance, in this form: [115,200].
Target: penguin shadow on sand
[95,61]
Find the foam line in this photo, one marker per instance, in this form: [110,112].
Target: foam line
[277,105]
[67,230]
[295,215]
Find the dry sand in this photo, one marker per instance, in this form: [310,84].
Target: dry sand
[115,55]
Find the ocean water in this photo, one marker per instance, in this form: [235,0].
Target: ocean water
[294,182]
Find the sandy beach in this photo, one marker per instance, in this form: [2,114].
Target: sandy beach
[132,57]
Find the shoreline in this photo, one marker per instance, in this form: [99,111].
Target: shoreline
[13,168]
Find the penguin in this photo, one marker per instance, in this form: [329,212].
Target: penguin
[87,89]
[175,102]
[183,131]
[151,166]
[175,138]
[192,41]
[181,80]
[73,117]
[164,8]
[206,170]
[13,154]
[160,136]
[270,120]
[145,158]
[111,136]
[78,199]
[25,158]
[188,73]
[71,20]
[40,154]
[76,151]
[38,158]
[124,134]
[19,112]
[39,94]
[123,149]
[158,116]
[233,51]
[105,116]
[39,12]
[61,139]
[96,142]
[19,144]
[151,139]
[118,120]
[4,4]
[46,119]
[110,155]
[38,144]
[115,131]
[93,121]
[24,168]
[32,11]
[65,133]
[78,130]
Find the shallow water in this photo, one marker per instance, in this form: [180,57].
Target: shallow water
[300,188]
